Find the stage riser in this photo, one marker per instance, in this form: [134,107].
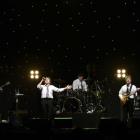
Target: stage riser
[86,121]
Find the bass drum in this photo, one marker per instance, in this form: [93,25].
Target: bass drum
[72,104]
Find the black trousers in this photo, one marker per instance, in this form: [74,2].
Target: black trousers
[82,97]
[47,107]
[127,110]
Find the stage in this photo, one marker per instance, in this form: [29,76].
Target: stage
[72,126]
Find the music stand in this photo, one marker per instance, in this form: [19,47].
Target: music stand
[17,95]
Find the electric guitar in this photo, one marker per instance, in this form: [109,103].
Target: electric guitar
[125,98]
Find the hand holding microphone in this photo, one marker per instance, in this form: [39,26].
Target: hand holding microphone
[43,78]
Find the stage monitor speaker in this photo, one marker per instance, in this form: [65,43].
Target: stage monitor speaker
[109,125]
[62,122]
[37,124]
[86,120]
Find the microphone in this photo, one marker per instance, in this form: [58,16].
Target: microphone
[43,78]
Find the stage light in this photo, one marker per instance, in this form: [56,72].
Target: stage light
[31,72]
[121,73]
[118,71]
[34,74]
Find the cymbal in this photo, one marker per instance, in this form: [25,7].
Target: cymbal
[18,94]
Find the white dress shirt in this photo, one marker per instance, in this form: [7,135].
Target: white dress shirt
[77,84]
[133,91]
[47,90]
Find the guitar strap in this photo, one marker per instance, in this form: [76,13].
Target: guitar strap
[129,90]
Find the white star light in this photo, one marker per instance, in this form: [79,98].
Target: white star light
[133,30]
[78,13]
[66,2]
[20,25]
[13,31]
[137,20]
[125,3]
[109,26]
[58,12]
[45,4]
[109,18]
[70,18]
[133,13]
[93,36]
[114,49]
[134,2]
[84,47]
[118,17]
[18,15]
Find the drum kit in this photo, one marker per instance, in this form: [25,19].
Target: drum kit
[78,101]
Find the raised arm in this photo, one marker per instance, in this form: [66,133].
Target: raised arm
[40,83]
[61,89]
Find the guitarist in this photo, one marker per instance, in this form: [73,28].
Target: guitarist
[127,94]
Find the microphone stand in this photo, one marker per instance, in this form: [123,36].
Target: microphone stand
[99,106]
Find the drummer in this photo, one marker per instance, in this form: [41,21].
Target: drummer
[80,87]
[80,83]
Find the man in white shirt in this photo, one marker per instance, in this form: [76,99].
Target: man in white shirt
[80,89]
[47,95]
[79,83]
[127,94]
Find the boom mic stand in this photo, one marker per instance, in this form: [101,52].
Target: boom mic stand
[99,107]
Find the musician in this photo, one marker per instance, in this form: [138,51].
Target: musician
[80,87]
[127,94]
[47,90]
[80,83]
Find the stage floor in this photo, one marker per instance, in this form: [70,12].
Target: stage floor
[73,125]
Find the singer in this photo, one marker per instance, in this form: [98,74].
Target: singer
[47,90]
